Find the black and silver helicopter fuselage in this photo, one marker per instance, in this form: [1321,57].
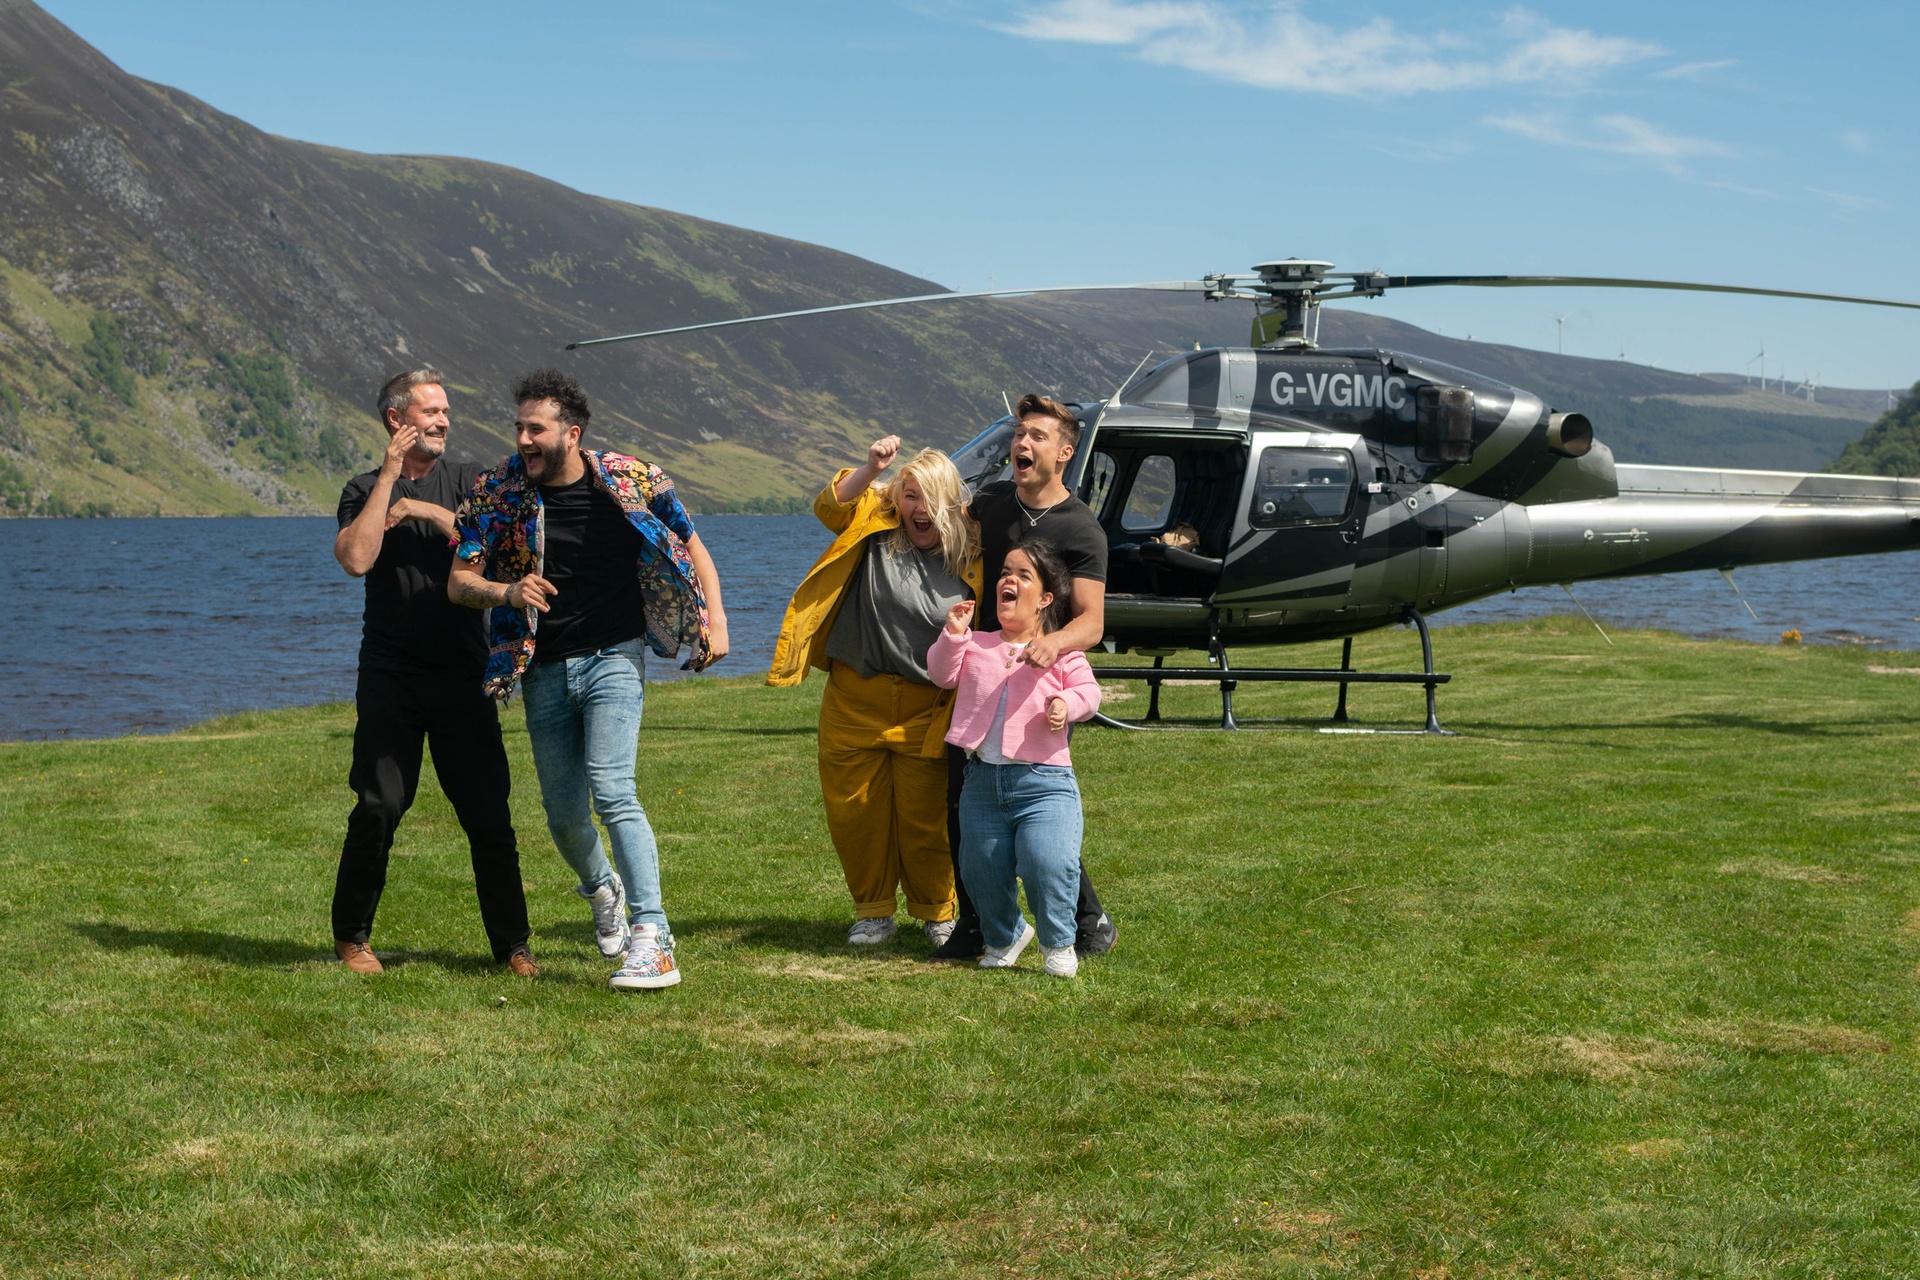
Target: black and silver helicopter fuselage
[1333,490]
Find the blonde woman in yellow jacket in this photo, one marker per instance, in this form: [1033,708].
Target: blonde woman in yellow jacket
[866,614]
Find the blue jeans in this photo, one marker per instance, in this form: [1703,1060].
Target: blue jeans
[583,721]
[1021,820]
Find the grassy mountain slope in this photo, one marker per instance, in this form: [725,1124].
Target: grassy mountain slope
[1891,446]
[194,312]
[194,315]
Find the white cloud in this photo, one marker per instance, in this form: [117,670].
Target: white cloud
[1695,70]
[1273,45]
[1105,22]
[1615,135]
[1856,140]
[1846,200]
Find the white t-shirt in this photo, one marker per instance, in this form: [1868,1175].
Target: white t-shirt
[996,732]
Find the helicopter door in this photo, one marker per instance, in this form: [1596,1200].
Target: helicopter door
[1295,538]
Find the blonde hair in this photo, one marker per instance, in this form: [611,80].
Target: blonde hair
[946,498]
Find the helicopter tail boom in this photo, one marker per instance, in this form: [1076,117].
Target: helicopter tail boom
[1674,519]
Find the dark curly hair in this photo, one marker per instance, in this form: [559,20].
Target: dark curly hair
[561,388]
[1054,580]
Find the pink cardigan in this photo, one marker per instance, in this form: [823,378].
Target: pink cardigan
[976,665]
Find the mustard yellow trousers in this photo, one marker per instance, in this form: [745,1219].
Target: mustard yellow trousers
[886,804]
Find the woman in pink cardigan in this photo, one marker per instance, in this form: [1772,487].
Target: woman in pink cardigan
[1020,805]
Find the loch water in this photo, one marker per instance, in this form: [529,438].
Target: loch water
[148,625]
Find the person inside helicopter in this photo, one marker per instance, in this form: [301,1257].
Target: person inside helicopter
[1166,506]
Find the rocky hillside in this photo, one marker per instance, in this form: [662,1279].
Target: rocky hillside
[194,315]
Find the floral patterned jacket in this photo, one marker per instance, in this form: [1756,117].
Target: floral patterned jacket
[501,530]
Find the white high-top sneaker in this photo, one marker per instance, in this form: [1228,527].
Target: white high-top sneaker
[609,903]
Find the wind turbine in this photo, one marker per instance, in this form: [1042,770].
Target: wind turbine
[1560,335]
[1762,359]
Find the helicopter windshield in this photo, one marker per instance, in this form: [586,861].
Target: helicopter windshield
[986,457]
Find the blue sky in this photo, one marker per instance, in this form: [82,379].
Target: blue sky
[1066,141]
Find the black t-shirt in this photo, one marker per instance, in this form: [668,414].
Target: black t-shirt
[1005,522]
[410,627]
[592,551]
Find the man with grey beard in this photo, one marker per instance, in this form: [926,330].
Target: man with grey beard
[421,658]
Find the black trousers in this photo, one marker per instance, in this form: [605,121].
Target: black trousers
[398,713]
[1086,913]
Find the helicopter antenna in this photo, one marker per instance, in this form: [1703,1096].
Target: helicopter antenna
[1727,573]
[1590,618]
[1127,382]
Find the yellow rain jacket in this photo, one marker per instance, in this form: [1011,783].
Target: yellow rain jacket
[809,620]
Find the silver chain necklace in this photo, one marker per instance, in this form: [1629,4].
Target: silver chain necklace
[1033,521]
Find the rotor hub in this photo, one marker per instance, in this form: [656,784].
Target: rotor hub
[1293,275]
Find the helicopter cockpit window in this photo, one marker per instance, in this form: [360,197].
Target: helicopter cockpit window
[1301,486]
[1098,486]
[983,459]
[1151,499]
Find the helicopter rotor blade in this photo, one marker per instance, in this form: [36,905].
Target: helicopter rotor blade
[1164,286]
[1612,282]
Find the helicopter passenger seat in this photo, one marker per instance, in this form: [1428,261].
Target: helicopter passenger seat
[1180,572]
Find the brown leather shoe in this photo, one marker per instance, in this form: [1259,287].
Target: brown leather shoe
[359,957]
[521,962]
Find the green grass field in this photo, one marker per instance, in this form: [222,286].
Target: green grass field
[1619,982]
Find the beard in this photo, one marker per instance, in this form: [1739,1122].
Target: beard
[543,464]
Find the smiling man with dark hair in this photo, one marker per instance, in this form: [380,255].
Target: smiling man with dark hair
[584,559]
[1037,504]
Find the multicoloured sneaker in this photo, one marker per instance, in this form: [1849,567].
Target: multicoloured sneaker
[649,963]
[609,903]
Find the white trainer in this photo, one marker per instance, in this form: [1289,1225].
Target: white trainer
[938,931]
[999,958]
[872,931]
[609,903]
[1061,962]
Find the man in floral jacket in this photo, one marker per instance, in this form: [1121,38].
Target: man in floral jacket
[583,559]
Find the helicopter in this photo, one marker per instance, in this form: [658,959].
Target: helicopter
[1323,493]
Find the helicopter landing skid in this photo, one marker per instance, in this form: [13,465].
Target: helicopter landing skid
[1229,677]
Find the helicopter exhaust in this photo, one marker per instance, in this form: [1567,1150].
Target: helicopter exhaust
[1569,434]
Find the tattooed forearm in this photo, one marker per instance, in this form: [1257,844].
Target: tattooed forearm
[474,592]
